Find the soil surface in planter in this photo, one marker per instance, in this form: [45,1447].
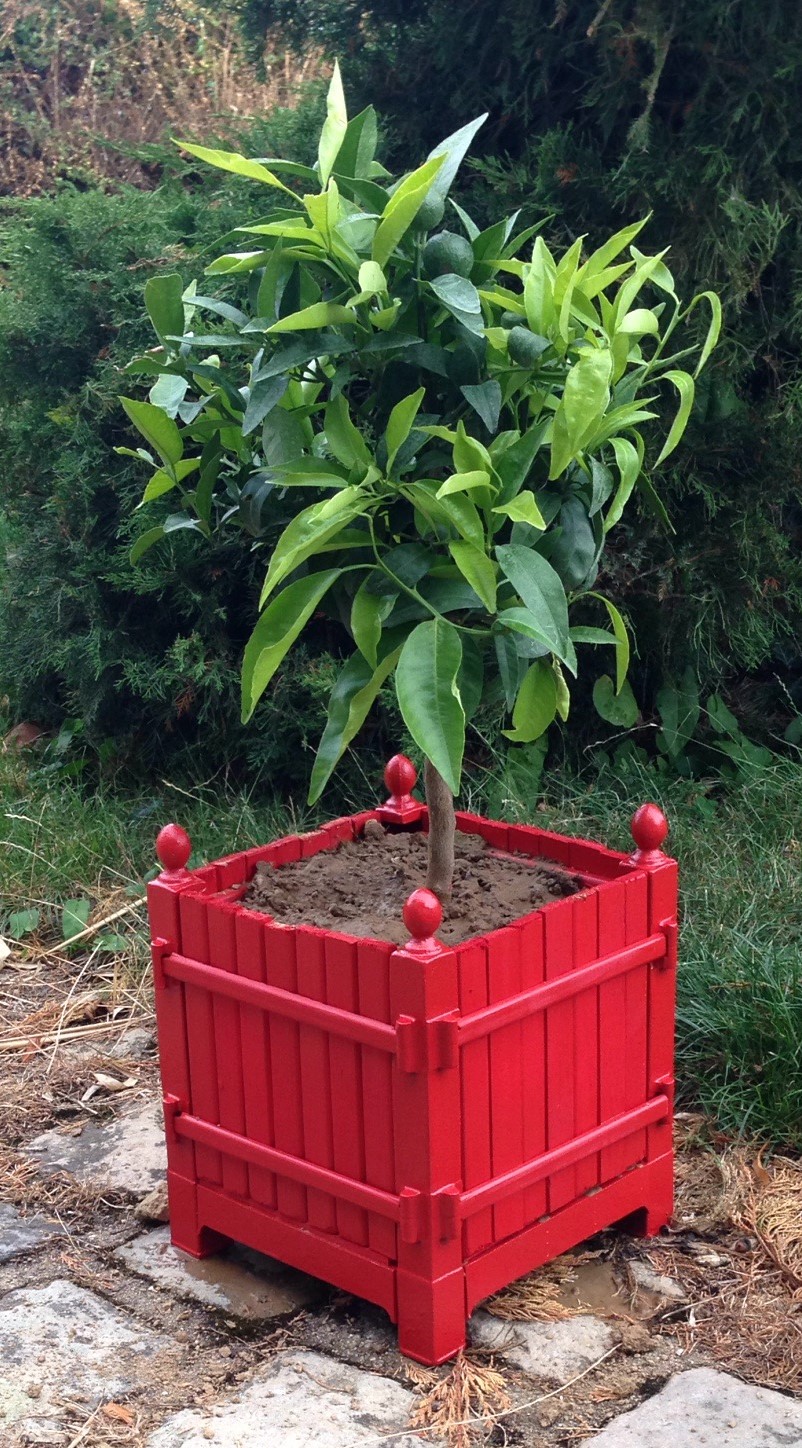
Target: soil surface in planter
[360,887]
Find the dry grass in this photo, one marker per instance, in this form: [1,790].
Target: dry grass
[462,1405]
[536,1297]
[109,74]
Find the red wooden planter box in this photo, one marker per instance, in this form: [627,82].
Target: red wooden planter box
[418,1126]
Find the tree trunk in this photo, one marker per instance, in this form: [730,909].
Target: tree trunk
[442,827]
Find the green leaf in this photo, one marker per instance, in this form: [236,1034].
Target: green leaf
[74,918]
[400,423]
[523,509]
[320,314]
[308,531]
[622,638]
[334,127]
[371,606]
[619,708]
[358,147]
[236,164]
[475,566]
[344,439]
[165,307]
[685,387]
[599,260]
[536,704]
[428,696]
[144,542]
[543,595]
[508,666]
[461,298]
[157,429]
[276,632]
[402,208]
[350,703]
[263,398]
[485,398]
[22,923]
[678,707]
[450,153]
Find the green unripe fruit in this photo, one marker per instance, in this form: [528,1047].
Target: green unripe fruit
[510,319]
[525,348]
[430,214]
[448,252]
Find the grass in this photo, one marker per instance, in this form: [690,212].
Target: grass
[740,983]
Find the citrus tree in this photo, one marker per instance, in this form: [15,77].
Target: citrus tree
[447,420]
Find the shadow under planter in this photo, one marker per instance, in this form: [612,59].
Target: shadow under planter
[418,1126]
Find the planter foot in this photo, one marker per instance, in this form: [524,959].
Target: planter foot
[185,1230]
[431,1317]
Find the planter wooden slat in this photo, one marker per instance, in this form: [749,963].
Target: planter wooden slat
[418,1125]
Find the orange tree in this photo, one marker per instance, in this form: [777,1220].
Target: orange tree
[448,424]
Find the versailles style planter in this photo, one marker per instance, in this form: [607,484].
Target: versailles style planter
[418,1126]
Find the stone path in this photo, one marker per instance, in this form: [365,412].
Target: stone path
[111,1331]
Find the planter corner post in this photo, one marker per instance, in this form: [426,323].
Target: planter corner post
[424,1003]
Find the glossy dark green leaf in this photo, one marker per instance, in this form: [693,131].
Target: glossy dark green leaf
[428,696]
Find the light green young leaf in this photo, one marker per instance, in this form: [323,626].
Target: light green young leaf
[238,165]
[541,313]
[320,314]
[344,438]
[402,208]
[450,153]
[306,534]
[163,482]
[685,387]
[276,632]
[622,639]
[599,260]
[157,429]
[523,509]
[372,281]
[464,483]
[475,566]
[400,423]
[351,700]
[563,693]
[536,704]
[334,126]
[428,696]
[629,459]
[713,330]
[585,398]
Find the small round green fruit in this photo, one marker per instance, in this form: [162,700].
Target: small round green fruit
[447,252]
[525,347]
[430,214]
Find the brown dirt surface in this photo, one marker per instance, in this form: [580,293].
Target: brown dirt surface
[360,887]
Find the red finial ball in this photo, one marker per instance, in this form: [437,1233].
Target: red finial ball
[423,915]
[173,847]
[649,829]
[400,776]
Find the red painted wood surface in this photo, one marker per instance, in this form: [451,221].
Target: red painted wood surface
[365,1114]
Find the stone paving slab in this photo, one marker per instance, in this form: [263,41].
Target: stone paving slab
[20,1234]
[243,1284]
[60,1343]
[707,1409]
[303,1400]
[554,1350]
[125,1155]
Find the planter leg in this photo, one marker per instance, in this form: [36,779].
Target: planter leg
[649,1219]
[185,1230]
[431,1316]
